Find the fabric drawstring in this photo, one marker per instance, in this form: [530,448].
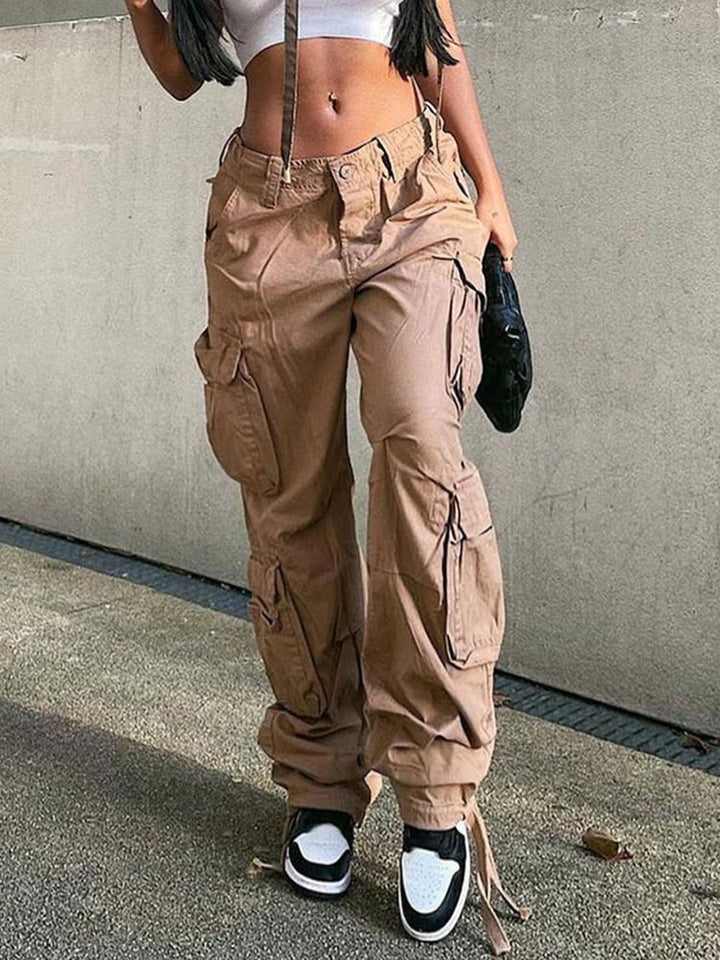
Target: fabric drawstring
[290,85]
[486,872]
[257,864]
[487,876]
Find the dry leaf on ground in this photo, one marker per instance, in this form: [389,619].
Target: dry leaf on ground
[604,845]
[692,740]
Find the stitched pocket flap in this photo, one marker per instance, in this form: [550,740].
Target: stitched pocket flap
[218,355]
[282,639]
[475,518]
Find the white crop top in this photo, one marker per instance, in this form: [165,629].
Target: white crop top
[256,24]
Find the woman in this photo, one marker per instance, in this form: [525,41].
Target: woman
[360,232]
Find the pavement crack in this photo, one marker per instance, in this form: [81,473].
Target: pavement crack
[93,606]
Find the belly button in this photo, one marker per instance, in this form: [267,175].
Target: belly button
[333,99]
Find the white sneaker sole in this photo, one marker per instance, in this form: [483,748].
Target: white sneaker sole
[328,887]
[430,937]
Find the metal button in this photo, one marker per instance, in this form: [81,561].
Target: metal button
[346,170]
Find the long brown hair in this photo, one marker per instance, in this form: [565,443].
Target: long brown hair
[197,26]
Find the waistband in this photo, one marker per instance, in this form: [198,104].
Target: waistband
[387,153]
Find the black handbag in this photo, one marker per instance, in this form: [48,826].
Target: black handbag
[504,345]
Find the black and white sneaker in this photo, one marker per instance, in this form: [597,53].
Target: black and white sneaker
[319,851]
[434,877]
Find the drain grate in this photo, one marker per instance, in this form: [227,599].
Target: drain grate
[598,719]
[606,722]
[223,597]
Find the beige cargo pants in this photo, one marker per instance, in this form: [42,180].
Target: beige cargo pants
[385,665]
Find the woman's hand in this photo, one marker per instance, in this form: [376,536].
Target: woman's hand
[137,4]
[491,207]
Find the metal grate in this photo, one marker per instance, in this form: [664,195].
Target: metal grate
[606,722]
[213,594]
[579,713]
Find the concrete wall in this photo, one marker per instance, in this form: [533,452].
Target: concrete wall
[605,128]
[14,12]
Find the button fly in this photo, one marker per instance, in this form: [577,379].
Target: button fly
[346,170]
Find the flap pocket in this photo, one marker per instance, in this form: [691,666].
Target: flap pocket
[236,419]
[218,355]
[464,353]
[473,507]
[282,640]
[474,597]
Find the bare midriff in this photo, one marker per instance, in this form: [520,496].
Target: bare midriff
[347,91]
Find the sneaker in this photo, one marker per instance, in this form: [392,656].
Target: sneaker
[319,850]
[434,878]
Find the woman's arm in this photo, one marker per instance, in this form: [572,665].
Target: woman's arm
[462,118]
[157,46]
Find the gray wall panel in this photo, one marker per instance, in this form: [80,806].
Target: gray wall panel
[14,12]
[605,128]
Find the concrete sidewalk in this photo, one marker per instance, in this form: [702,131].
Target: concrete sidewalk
[133,798]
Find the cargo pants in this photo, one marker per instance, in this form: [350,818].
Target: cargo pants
[382,663]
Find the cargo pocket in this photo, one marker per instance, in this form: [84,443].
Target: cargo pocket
[464,355]
[472,578]
[282,642]
[236,421]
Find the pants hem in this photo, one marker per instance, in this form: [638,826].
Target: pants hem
[433,814]
[328,799]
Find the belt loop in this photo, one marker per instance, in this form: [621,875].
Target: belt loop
[290,84]
[271,188]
